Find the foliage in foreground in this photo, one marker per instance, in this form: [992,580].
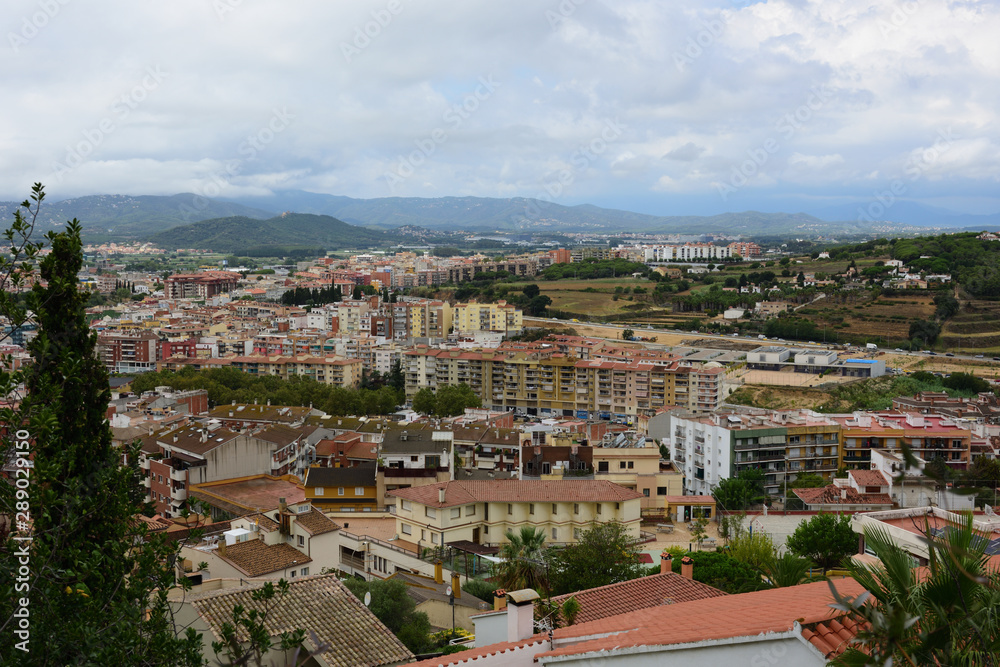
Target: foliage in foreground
[392,605]
[946,614]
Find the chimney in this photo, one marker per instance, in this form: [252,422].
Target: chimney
[222,547]
[204,435]
[438,572]
[666,563]
[175,437]
[521,614]
[456,585]
[441,492]
[499,599]
[843,494]
[687,567]
[282,505]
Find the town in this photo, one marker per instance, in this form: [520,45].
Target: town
[492,454]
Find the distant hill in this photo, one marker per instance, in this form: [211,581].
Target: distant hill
[239,234]
[124,217]
[480,214]
[912,213]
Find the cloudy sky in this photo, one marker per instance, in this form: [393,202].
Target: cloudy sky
[665,107]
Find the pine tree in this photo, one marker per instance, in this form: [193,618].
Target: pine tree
[92,568]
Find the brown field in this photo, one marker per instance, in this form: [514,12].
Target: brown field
[886,318]
[780,398]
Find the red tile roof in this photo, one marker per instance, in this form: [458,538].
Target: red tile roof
[516,490]
[641,593]
[868,478]
[836,495]
[536,644]
[255,559]
[832,637]
[719,618]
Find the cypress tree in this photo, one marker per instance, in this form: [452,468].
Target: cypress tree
[93,568]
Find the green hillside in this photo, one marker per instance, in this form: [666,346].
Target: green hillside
[240,234]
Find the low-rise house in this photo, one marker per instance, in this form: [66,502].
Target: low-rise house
[353,489]
[482,511]
[340,629]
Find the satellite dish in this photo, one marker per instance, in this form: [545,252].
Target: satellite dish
[368,598]
[448,591]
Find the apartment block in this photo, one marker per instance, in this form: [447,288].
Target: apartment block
[548,383]
[500,316]
[482,511]
[929,437]
[129,351]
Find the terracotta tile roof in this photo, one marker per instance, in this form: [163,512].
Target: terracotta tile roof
[534,645]
[315,522]
[255,559]
[836,495]
[719,618]
[517,490]
[641,593]
[325,609]
[832,637]
[868,478]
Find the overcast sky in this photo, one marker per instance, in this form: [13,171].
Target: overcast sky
[665,106]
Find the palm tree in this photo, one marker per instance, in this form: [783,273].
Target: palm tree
[946,614]
[522,562]
[787,570]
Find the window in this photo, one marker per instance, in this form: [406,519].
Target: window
[470,510]
[340,491]
[631,464]
[407,530]
[319,490]
[359,490]
[404,504]
[430,512]
[576,508]
[423,534]
[576,533]
[598,508]
[555,508]
[456,513]
[531,508]
[510,508]
[305,571]
[554,533]
[621,465]
[434,538]
[302,541]
[602,466]
[645,492]
[293,573]
[661,490]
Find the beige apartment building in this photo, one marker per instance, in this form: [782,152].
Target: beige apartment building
[325,370]
[500,316]
[482,511]
[430,319]
[638,468]
[553,384]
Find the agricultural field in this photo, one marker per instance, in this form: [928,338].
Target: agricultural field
[882,319]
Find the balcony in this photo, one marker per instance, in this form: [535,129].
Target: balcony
[178,475]
[179,494]
[146,482]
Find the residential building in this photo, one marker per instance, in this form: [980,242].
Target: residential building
[340,629]
[500,316]
[354,489]
[132,351]
[927,436]
[482,511]
[203,285]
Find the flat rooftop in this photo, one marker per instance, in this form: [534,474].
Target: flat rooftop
[249,494]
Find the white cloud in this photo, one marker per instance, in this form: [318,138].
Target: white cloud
[896,78]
